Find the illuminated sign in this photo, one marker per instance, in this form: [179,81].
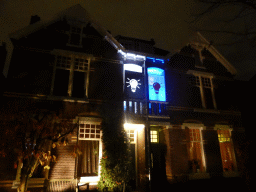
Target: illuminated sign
[156,84]
[133,67]
[133,83]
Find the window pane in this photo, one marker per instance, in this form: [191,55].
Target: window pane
[61,82]
[226,149]
[79,84]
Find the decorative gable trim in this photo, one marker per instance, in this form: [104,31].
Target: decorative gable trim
[200,42]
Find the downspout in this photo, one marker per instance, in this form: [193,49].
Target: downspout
[147,129]
[76,161]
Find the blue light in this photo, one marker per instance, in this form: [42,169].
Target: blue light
[156,84]
[160,60]
[155,71]
[155,59]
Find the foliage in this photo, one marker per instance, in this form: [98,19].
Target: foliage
[31,135]
[116,163]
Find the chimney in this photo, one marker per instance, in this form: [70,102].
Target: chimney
[34,19]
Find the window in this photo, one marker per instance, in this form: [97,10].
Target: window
[195,150]
[226,149]
[90,146]
[154,136]
[70,76]
[205,86]
[131,135]
[75,35]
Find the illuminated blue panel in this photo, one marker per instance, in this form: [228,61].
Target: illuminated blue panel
[156,84]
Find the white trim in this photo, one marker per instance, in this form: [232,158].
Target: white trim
[201,73]
[222,126]
[193,126]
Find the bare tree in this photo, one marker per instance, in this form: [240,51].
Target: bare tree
[234,18]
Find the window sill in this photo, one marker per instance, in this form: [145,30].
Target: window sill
[194,176]
[231,174]
[71,45]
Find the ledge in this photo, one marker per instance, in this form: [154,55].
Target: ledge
[194,176]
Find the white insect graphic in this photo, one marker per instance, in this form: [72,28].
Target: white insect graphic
[134,84]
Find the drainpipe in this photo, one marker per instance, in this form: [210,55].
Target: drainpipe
[147,129]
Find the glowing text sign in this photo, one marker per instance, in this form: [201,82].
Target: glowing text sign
[156,84]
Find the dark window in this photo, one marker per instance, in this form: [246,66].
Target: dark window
[61,82]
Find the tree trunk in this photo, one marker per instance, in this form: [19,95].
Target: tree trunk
[23,183]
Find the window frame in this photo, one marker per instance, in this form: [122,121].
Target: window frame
[201,83]
[73,57]
[233,156]
[71,32]
[94,121]
[157,135]
[200,127]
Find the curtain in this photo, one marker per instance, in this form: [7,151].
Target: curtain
[88,161]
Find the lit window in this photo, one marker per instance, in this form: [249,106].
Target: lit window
[195,151]
[89,131]
[130,135]
[226,149]
[154,136]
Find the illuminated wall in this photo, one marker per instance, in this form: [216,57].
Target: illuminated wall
[156,84]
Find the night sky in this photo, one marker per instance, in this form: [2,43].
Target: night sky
[166,21]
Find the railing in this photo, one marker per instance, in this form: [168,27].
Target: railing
[60,185]
[138,107]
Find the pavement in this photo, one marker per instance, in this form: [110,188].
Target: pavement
[215,184]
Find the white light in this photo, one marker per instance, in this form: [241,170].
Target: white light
[133,126]
[133,83]
[134,56]
[133,67]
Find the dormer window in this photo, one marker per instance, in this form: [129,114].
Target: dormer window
[75,36]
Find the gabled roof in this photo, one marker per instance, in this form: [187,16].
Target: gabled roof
[76,12]
[198,40]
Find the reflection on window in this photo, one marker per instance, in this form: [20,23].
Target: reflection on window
[226,149]
[195,150]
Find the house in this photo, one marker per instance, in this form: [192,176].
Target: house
[177,111]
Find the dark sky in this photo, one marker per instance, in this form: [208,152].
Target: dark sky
[164,20]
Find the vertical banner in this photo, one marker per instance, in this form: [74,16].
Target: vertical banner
[156,84]
[134,85]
